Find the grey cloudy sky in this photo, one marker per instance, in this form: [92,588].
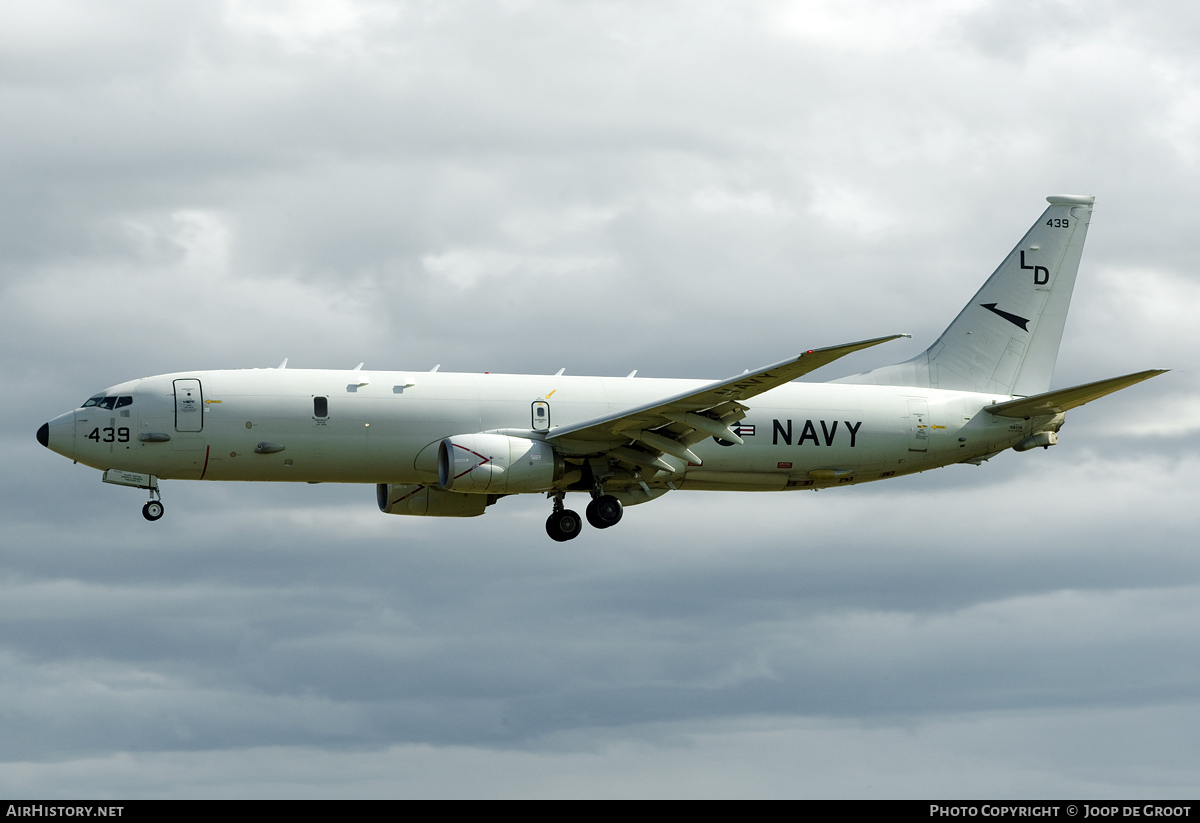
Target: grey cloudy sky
[688,189]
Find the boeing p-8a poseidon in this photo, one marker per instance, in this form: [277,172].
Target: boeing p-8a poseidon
[450,445]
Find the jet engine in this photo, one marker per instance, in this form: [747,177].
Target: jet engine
[497,464]
[423,500]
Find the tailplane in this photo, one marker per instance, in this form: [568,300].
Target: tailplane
[1005,341]
[1063,400]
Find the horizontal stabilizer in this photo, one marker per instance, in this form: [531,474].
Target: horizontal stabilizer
[1056,402]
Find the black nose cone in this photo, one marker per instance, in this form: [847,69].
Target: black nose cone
[44,435]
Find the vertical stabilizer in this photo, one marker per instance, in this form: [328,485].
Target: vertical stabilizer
[1005,340]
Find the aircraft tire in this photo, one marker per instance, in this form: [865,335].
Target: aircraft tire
[152,511]
[604,511]
[564,525]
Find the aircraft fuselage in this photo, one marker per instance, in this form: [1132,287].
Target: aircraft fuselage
[385,427]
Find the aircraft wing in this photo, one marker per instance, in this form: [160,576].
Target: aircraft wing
[1056,402]
[670,425]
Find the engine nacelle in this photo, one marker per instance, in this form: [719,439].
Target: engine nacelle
[497,464]
[429,502]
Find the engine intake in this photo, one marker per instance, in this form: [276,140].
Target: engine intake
[497,464]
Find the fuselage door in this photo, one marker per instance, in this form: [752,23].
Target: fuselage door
[541,416]
[918,425]
[189,406]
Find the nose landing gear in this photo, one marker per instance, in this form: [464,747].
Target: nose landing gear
[153,510]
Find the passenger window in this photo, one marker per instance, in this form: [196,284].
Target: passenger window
[124,401]
[320,407]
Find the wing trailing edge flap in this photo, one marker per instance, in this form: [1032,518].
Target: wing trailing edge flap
[672,425]
[1062,400]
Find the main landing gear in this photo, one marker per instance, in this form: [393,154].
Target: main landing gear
[563,524]
[604,511]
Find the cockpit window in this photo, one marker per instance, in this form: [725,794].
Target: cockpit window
[110,402]
[105,402]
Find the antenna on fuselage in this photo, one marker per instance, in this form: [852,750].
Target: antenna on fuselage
[282,365]
[435,368]
[359,366]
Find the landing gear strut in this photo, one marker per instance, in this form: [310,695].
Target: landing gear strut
[154,509]
[563,524]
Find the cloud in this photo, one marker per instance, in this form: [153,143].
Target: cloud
[522,186]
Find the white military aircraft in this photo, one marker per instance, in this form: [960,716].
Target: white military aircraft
[450,445]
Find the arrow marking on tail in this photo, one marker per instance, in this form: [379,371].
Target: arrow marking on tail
[1016,320]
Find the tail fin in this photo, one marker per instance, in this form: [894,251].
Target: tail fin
[1006,339]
